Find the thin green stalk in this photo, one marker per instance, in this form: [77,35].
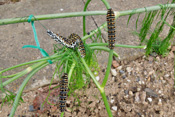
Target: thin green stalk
[85,9]
[17,98]
[117,45]
[100,88]
[106,103]
[105,2]
[108,68]
[100,28]
[104,49]
[62,114]
[78,14]
[27,70]
[146,9]
[30,62]
[70,71]
[84,18]
[91,74]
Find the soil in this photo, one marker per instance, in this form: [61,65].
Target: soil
[142,88]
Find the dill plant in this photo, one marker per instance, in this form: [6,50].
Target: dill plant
[69,60]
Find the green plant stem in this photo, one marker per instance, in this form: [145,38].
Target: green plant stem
[108,68]
[84,18]
[104,49]
[100,88]
[146,9]
[17,98]
[27,70]
[85,8]
[106,103]
[91,74]
[117,45]
[105,2]
[30,62]
[78,14]
[70,71]
[62,114]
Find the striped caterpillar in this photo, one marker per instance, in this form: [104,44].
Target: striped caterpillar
[111,27]
[72,41]
[63,92]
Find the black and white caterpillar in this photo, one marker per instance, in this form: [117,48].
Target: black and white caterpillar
[71,42]
[111,27]
[63,92]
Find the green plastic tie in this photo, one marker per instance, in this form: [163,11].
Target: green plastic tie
[43,52]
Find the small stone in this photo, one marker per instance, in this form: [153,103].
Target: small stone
[126,92]
[130,93]
[159,91]
[121,71]
[31,108]
[112,101]
[129,80]
[137,98]
[145,72]
[163,81]
[97,78]
[150,92]
[114,108]
[119,68]
[140,82]
[126,96]
[123,76]
[150,99]
[167,75]
[143,97]
[115,64]
[128,69]
[138,89]
[160,102]
[113,72]
[138,79]
[61,9]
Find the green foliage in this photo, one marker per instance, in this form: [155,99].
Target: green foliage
[79,77]
[154,42]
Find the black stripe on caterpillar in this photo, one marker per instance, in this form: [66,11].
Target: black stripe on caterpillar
[80,44]
[63,92]
[111,27]
[72,41]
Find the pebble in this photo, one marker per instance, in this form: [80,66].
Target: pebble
[112,101]
[114,108]
[31,108]
[137,98]
[121,71]
[138,89]
[138,79]
[167,75]
[113,72]
[126,92]
[150,92]
[159,91]
[124,76]
[128,69]
[129,80]
[97,78]
[130,93]
[143,97]
[160,102]
[119,68]
[115,64]
[150,99]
